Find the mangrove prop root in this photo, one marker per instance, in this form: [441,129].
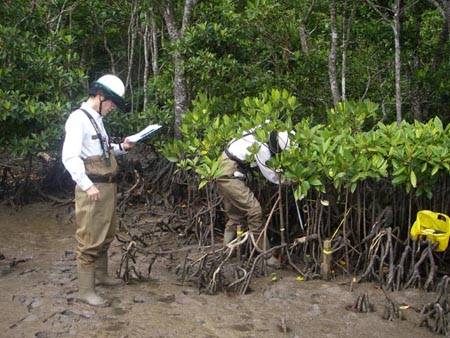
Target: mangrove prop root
[127,269]
[435,315]
[395,274]
[392,309]
[178,227]
[416,276]
[361,304]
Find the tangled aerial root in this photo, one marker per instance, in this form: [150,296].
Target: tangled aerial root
[392,310]
[361,304]
[435,315]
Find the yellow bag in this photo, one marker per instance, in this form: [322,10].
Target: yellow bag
[434,226]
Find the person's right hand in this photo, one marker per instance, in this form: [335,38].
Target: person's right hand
[93,193]
[127,145]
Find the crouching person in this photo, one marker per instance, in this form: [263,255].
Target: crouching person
[240,204]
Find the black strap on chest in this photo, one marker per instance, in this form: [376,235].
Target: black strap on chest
[103,143]
[243,165]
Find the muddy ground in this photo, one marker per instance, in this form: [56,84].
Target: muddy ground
[38,290]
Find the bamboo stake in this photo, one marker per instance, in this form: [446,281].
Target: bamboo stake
[327,259]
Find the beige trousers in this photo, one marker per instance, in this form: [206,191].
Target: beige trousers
[95,220]
[239,202]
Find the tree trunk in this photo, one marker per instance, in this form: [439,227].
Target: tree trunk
[396,27]
[180,95]
[180,86]
[303,38]
[154,43]
[332,58]
[147,42]
[132,34]
[347,27]
[150,51]
[445,31]
[414,86]
[398,89]
[302,29]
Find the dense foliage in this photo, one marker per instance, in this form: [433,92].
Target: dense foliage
[233,50]
[38,79]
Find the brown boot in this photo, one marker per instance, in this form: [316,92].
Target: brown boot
[263,245]
[228,236]
[86,291]
[101,272]
[273,262]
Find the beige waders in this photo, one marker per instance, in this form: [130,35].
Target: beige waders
[241,206]
[96,227]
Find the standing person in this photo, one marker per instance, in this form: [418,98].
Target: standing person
[89,157]
[240,204]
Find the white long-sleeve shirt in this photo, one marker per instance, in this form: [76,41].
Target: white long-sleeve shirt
[239,149]
[81,142]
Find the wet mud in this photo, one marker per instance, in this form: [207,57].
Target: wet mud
[38,290]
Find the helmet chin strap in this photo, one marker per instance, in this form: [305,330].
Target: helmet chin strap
[100,106]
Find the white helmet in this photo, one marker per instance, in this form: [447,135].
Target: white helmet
[283,140]
[278,141]
[113,89]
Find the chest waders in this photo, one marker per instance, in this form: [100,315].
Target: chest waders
[96,222]
[242,207]
[240,204]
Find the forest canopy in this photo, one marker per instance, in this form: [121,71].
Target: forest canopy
[172,54]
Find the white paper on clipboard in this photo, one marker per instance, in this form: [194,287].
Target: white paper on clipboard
[143,133]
